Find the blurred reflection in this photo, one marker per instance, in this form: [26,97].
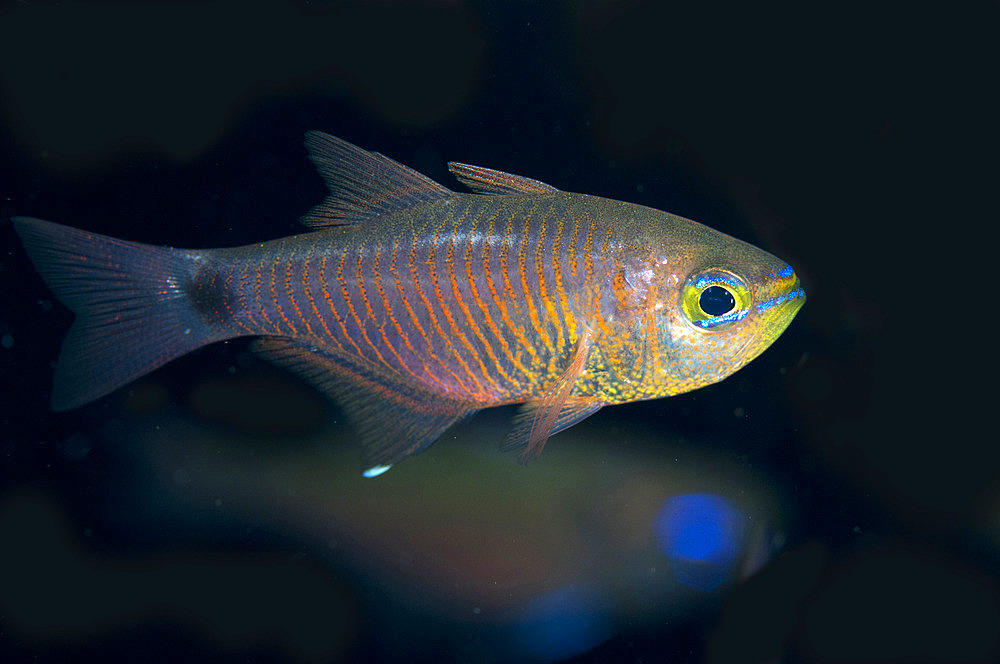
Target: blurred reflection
[701,534]
[464,546]
[56,591]
[563,623]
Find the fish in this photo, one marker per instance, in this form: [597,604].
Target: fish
[414,306]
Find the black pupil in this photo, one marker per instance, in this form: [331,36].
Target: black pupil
[716,300]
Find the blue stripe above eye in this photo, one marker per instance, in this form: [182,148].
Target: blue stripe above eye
[785,273]
[715,278]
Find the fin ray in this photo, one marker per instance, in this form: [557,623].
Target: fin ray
[573,411]
[484,180]
[133,313]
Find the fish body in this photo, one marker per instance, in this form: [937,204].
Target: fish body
[414,306]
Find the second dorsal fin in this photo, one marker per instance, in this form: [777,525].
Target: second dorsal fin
[488,181]
[362,184]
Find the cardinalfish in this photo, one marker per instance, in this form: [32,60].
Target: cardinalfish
[414,306]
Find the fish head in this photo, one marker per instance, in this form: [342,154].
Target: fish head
[720,304]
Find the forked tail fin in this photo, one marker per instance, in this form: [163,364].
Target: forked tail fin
[133,310]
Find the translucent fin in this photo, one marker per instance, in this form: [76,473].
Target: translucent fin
[572,412]
[554,412]
[362,184]
[133,313]
[488,181]
[395,419]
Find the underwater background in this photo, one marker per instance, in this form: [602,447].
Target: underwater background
[827,503]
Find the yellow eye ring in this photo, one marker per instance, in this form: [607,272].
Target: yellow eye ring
[724,294]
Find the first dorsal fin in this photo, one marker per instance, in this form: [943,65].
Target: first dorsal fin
[488,181]
[362,184]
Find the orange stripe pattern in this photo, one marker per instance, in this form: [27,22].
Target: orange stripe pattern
[479,298]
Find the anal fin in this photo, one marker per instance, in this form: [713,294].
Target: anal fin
[394,418]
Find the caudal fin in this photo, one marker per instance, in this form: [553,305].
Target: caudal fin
[133,312]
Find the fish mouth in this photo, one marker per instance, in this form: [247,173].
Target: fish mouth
[793,300]
[777,312]
[774,314]
[789,294]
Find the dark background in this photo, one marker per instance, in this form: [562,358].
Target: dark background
[850,140]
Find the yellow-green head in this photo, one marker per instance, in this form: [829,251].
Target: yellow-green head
[701,305]
[720,302]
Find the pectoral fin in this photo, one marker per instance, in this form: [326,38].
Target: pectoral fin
[556,411]
[395,419]
[572,411]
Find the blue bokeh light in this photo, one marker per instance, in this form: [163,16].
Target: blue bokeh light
[702,534]
[563,623]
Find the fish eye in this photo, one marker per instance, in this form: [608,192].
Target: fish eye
[715,299]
